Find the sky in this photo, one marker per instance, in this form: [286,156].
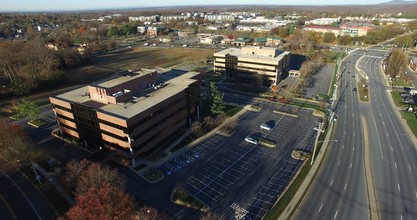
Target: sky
[68,5]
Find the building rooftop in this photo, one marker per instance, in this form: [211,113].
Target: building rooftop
[174,82]
[238,53]
[121,80]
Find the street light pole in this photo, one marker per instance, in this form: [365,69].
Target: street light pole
[319,130]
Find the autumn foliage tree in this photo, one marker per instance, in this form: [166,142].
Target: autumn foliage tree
[396,63]
[105,203]
[15,145]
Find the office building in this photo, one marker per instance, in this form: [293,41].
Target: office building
[266,64]
[134,113]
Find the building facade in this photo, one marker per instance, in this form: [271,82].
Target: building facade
[133,114]
[267,64]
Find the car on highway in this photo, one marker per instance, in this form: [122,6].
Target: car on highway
[265,127]
[251,140]
[354,90]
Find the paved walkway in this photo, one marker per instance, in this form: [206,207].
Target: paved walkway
[55,183]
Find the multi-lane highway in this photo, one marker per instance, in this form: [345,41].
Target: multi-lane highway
[339,191]
[393,155]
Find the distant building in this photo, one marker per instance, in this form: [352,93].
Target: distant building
[323,29]
[242,41]
[324,21]
[356,29]
[219,17]
[152,31]
[274,41]
[133,114]
[249,63]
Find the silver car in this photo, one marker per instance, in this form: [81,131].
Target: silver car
[266,127]
[251,140]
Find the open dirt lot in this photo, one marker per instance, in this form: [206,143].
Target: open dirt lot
[104,65]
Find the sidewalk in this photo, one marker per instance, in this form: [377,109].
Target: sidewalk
[55,183]
[305,186]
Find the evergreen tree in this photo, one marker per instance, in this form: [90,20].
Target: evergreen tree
[217,105]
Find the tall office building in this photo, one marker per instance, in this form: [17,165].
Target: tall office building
[133,114]
[247,63]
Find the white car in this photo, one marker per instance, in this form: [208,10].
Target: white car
[251,140]
[266,127]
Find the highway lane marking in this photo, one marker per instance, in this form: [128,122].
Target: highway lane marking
[350,166]
[392,149]
[320,208]
[338,163]
[379,139]
[395,165]
[27,199]
[335,215]
[409,167]
[415,193]
[343,146]
[399,190]
[353,147]
[8,207]
[345,186]
[331,184]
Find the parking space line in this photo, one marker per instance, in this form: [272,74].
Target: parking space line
[204,193]
[221,176]
[207,186]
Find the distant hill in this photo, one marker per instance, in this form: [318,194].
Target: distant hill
[398,2]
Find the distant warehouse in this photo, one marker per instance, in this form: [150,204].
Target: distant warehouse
[265,64]
[132,114]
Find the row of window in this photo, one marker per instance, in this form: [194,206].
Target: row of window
[152,115]
[147,141]
[102,131]
[162,121]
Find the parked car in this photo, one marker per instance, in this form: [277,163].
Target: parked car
[251,140]
[266,127]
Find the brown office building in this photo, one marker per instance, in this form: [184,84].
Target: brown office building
[267,64]
[133,114]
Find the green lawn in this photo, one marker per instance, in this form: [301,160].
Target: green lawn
[411,119]
[334,79]
[397,98]
[231,110]
[182,197]
[404,83]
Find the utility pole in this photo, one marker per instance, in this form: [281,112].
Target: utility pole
[319,130]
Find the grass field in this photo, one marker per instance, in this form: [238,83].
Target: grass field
[411,121]
[107,64]
[397,99]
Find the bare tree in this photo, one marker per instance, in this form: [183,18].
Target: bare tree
[211,216]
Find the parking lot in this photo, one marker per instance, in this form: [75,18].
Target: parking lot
[228,173]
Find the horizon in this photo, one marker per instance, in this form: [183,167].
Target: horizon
[78,5]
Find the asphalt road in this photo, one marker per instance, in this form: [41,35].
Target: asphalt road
[393,156]
[339,190]
[20,199]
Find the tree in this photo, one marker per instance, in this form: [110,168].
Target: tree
[396,63]
[328,37]
[96,176]
[147,213]
[211,216]
[27,108]
[113,31]
[274,89]
[105,203]
[16,145]
[73,171]
[217,106]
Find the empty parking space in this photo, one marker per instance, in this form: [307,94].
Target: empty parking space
[221,171]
